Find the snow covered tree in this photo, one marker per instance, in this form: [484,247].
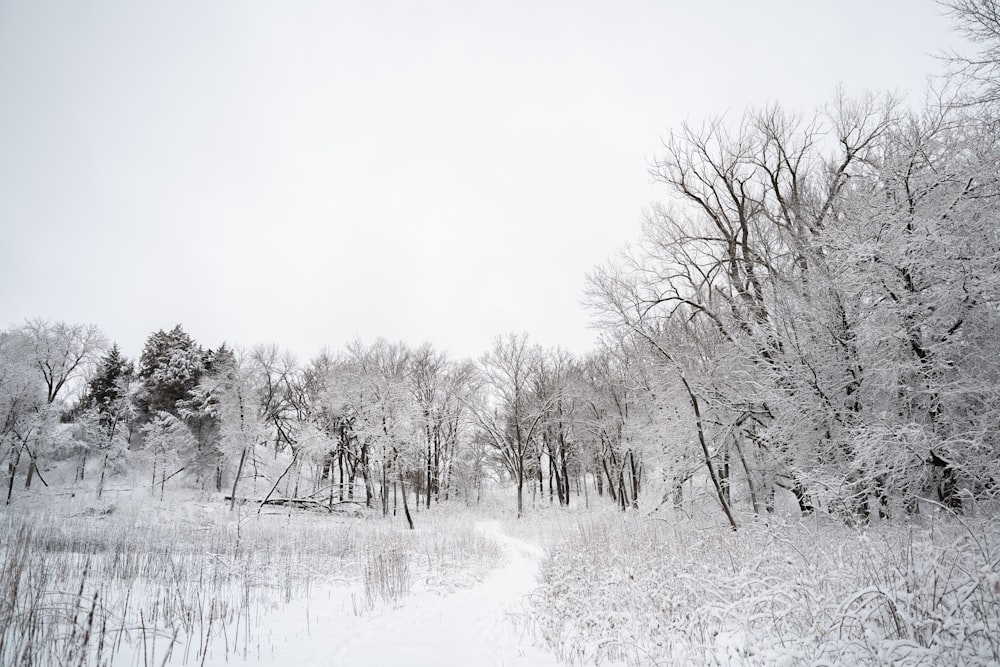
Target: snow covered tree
[200,414]
[166,438]
[62,351]
[612,407]
[106,387]
[325,402]
[507,409]
[276,377]
[708,289]
[823,293]
[555,383]
[439,387]
[170,366]
[918,253]
[385,415]
[23,404]
[109,410]
[229,394]
[979,73]
[61,354]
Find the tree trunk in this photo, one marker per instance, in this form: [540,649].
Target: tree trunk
[635,472]
[520,490]
[406,506]
[947,490]
[369,493]
[622,491]
[384,492]
[15,457]
[565,476]
[437,480]
[104,469]
[724,476]
[236,478]
[329,498]
[340,470]
[429,464]
[81,467]
[611,481]
[708,457]
[751,485]
[541,484]
[805,502]
[551,490]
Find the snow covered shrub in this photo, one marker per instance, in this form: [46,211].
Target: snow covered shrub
[387,570]
[646,592]
[928,598]
[456,554]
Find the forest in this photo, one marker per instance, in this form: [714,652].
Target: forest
[799,361]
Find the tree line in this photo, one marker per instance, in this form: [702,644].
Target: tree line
[371,423]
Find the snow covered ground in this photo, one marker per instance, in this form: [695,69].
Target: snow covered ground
[186,582]
[476,626]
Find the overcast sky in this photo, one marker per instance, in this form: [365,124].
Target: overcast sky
[307,172]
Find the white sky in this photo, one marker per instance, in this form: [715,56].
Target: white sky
[307,172]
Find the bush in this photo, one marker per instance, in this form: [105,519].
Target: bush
[645,592]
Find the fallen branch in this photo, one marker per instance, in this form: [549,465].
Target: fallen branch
[300,503]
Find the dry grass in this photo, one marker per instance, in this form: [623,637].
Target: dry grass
[647,592]
[115,584]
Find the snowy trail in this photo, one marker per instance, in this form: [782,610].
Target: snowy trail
[469,627]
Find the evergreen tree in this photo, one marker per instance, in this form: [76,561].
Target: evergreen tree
[201,414]
[170,367]
[110,386]
[109,412]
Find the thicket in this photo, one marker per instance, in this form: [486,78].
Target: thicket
[649,592]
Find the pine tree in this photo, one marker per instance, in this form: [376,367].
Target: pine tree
[200,411]
[170,367]
[108,415]
[110,384]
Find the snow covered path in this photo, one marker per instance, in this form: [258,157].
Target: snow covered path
[471,627]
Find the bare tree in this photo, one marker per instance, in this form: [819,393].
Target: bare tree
[555,383]
[508,411]
[62,352]
[979,22]
[23,403]
[710,286]
[385,415]
[439,388]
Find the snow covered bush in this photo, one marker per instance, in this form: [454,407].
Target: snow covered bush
[455,554]
[387,571]
[647,592]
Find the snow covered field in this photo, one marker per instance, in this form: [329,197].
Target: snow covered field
[132,583]
[128,582]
